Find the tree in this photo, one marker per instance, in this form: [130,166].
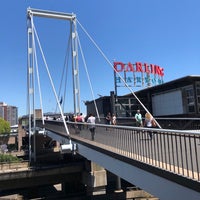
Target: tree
[4,126]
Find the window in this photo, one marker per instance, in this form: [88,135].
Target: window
[198,95]
[124,107]
[123,101]
[190,100]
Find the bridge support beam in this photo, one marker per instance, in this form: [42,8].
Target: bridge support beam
[95,178]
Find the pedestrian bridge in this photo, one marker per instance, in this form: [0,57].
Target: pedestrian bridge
[167,166]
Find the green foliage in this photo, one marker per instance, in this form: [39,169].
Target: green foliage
[9,158]
[4,126]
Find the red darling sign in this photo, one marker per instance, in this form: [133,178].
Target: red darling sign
[139,67]
[138,74]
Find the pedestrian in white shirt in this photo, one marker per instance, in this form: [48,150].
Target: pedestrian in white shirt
[91,120]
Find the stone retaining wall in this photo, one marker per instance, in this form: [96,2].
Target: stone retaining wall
[13,165]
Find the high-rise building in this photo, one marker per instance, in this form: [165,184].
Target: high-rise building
[9,113]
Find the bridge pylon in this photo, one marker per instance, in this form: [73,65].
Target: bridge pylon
[32,67]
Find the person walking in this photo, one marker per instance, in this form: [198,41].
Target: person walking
[138,118]
[114,119]
[80,121]
[91,120]
[149,123]
[108,119]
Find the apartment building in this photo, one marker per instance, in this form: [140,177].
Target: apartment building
[9,113]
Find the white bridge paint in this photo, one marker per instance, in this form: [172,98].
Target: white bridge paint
[155,185]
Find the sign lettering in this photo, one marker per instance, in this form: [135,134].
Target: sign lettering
[138,74]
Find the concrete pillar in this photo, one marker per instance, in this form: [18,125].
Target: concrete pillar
[118,184]
[95,178]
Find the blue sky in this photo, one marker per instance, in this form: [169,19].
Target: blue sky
[166,33]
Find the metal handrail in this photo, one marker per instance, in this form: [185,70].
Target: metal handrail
[171,150]
[175,151]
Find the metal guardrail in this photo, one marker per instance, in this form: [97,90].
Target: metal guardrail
[165,122]
[180,123]
[172,150]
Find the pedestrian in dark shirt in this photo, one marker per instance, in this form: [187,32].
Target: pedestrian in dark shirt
[108,118]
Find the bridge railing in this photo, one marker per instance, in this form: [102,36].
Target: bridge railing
[172,150]
[166,123]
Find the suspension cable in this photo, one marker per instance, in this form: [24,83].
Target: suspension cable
[37,71]
[86,70]
[65,66]
[50,78]
[111,65]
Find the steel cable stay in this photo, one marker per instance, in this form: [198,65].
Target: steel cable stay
[88,77]
[51,80]
[75,62]
[64,76]
[37,71]
[35,63]
[66,67]
[111,65]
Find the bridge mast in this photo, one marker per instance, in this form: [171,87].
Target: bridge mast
[74,47]
[75,70]
[30,85]
[30,66]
